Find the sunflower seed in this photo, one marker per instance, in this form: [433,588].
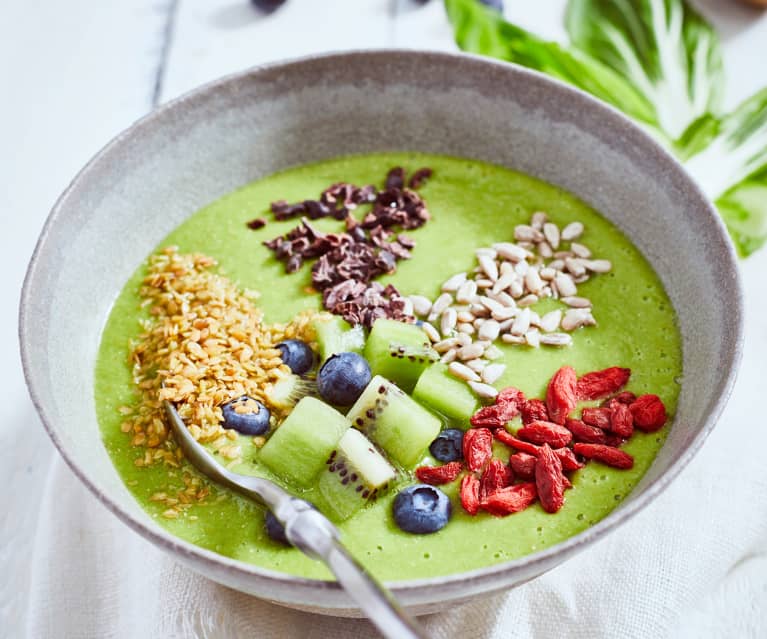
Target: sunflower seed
[465,316]
[528,246]
[535,319]
[547,273]
[557,265]
[533,338]
[478,322]
[581,279]
[489,266]
[561,255]
[407,306]
[525,233]
[521,323]
[504,314]
[440,304]
[516,289]
[550,321]
[484,282]
[527,300]
[445,345]
[533,281]
[453,283]
[551,232]
[576,302]
[506,268]
[490,304]
[463,372]
[556,339]
[575,267]
[513,339]
[448,321]
[491,373]
[466,291]
[483,390]
[511,252]
[565,285]
[431,332]
[467,329]
[477,365]
[538,220]
[545,292]
[580,250]
[478,310]
[449,356]
[544,250]
[492,353]
[421,305]
[504,281]
[598,266]
[486,252]
[505,325]
[572,231]
[472,351]
[577,317]
[489,330]
[521,268]
[463,339]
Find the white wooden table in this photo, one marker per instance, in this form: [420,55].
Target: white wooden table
[75,73]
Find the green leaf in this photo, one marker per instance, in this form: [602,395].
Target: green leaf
[481,30]
[666,50]
[744,210]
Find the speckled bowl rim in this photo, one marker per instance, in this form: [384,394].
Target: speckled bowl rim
[475,581]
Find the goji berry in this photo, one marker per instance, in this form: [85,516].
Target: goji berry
[505,408]
[606,454]
[583,432]
[437,475]
[512,499]
[602,383]
[510,395]
[626,397]
[549,480]
[523,465]
[549,433]
[599,417]
[507,438]
[560,395]
[649,413]
[497,475]
[470,494]
[568,459]
[533,410]
[621,420]
[477,447]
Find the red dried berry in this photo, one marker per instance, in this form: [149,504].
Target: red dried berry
[512,499]
[523,465]
[602,383]
[599,417]
[507,438]
[560,395]
[549,433]
[649,413]
[497,475]
[438,475]
[606,454]
[511,395]
[568,459]
[533,410]
[506,408]
[488,417]
[616,441]
[626,397]
[477,447]
[621,420]
[583,432]
[549,480]
[470,494]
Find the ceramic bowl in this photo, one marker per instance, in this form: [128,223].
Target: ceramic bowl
[246,126]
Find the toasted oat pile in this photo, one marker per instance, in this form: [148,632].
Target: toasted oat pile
[204,345]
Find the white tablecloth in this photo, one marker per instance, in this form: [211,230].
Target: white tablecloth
[693,564]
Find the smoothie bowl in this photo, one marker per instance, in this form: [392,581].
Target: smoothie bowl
[468,312]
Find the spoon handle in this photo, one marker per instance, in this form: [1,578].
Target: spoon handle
[375,601]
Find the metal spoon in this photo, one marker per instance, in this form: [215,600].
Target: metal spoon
[309,531]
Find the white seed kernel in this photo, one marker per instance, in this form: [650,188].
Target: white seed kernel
[421,305]
[551,233]
[448,321]
[430,331]
[462,372]
[556,339]
[521,323]
[489,330]
[572,231]
[453,283]
[491,373]
[483,390]
[550,321]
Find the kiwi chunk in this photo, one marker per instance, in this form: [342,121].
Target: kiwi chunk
[354,473]
[440,391]
[286,392]
[336,335]
[298,449]
[398,424]
[399,352]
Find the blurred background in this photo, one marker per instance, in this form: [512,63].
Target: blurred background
[75,73]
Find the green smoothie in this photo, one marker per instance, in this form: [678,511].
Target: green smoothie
[473,204]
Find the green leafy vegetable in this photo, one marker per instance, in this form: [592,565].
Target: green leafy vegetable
[659,62]
[662,47]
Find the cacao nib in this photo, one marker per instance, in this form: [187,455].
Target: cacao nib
[256,224]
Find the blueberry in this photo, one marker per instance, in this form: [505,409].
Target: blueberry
[296,355]
[267,5]
[448,446]
[275,529]
[493,4]
[253,422]
[342,378]
[422,509]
